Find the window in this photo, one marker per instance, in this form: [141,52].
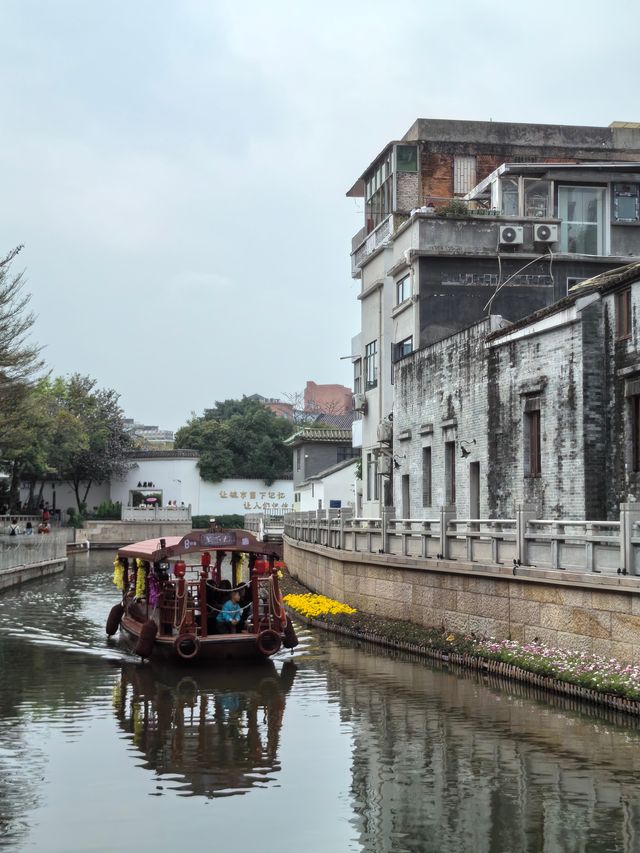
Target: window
[532,443]
[372,477]
[298,458]
[635,431]
[371,365]
[357,376]
[407,158]
[403,289]
[426,476]
[581,210]
[526,197]
[623,313]
[347,453]
[573,280]
[536,198]
[450,471]
[626,203]
[464,174]
[509,187]
[402,348]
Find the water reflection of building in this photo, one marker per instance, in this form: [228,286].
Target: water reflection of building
[215,734]
[441,763]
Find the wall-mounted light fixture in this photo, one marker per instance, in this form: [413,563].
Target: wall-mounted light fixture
[463,450]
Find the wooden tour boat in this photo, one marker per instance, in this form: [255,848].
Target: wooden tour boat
[173,596]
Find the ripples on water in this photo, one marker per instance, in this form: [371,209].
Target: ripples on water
[340,748]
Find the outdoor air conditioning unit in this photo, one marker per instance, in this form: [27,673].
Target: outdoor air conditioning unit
[359,403]
[545,233]
[385,432]
[512,235]
[384,465]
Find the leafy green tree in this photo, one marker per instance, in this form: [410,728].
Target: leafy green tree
[20,365]
[238,438]
[89,443]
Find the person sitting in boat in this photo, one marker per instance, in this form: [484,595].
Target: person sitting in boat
[230,615]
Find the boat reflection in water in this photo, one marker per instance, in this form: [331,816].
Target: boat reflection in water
[213,733]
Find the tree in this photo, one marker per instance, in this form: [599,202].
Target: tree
[19,360]
[88,441]
[20,364]
[238,438]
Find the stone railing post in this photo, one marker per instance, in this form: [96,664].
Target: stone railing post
[388,512]
[446,514]
[629,516]
[524,514]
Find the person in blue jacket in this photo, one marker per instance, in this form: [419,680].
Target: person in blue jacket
[230,615]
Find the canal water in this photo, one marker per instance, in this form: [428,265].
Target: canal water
[340,747]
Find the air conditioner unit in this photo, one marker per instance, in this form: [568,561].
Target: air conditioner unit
[545,233]
[384,465]
[385,432]
[511,235]
[359,403]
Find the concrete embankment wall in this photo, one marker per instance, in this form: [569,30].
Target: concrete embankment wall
[24,558]
[599,615]
[109,534]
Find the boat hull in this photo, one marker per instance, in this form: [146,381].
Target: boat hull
[216,648]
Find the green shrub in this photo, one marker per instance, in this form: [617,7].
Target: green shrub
[76,519]
[109,510]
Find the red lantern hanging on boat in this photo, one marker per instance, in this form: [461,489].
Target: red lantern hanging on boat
[205,560]
[179,568]
[261,566]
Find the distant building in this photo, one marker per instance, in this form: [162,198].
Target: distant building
[330,399]
[278,407]
[316,449]
[467,219]
[333,488]
[151,436]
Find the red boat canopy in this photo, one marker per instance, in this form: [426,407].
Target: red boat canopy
[166,547]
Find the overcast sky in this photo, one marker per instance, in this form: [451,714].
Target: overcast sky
[177,169]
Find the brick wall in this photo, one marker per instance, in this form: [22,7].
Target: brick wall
[548,366]
[437,385]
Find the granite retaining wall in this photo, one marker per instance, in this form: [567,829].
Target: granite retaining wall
[592,613]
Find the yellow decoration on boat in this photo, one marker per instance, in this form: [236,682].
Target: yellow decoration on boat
[140,579]
[118,574]
[312,605]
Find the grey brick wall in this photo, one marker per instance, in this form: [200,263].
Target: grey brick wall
[437,385]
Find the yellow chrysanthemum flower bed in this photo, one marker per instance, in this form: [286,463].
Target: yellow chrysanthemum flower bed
[312,605]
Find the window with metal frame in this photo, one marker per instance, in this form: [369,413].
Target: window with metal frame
[403,289]
[371,365]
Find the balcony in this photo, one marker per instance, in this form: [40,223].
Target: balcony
[369,243]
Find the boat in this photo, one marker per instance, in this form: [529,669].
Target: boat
[174,604]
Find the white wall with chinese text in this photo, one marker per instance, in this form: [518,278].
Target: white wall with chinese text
[240,496]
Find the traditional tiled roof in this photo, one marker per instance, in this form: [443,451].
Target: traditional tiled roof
[313,434]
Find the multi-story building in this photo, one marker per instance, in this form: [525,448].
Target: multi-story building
[544,411]
[468,219]
[330,399]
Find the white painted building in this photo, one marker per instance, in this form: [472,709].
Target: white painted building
[335,487]
[173,475]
